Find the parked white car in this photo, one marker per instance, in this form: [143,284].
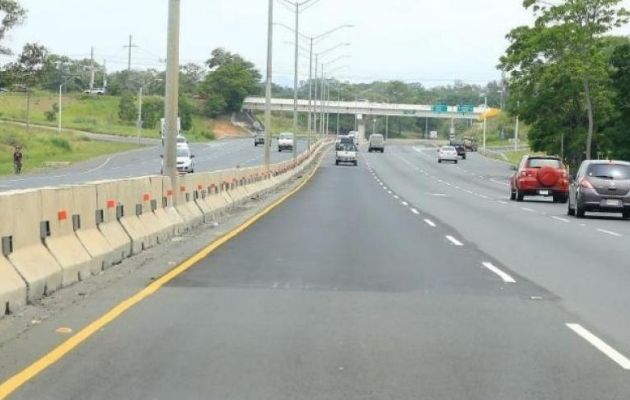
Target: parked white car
[447,153]
[95,91]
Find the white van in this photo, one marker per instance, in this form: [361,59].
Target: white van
[377,143]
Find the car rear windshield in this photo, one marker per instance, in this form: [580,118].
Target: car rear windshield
[346,147]
[544,162]
[286,136]
[609,171]
[448,148]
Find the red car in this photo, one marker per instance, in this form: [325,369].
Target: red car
[540,176]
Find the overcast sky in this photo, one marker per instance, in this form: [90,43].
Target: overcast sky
[429,41]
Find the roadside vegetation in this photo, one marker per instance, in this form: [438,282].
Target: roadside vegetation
[45,149]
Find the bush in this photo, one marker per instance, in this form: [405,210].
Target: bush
[61,143]
[127,108]
[51,115]
[85,120]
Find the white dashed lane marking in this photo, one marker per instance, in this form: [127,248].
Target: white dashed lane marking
[430,223]
[611,233]
[600,345]
[413,210]
[453,240]
[505,277]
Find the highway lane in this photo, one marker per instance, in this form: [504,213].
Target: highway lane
[211,156]
[343,292]
[583,262]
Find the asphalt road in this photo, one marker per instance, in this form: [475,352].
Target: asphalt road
[210,156]
[378,282]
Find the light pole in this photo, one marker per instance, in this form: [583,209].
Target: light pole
[485,119]
[172,93]
[268,86]
[61,85]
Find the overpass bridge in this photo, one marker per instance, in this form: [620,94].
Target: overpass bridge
[369,108]
[362,108]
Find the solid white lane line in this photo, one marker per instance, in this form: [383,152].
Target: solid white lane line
[505,277]
[438,194]
[527,209]
[454,241]
[600,345]
[560,219]
[483,196]
[468,191]
[430,223]
[413,210]
[611,233]
[404,203]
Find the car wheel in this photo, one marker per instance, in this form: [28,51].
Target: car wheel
[626,214]
[512,195]
[570,211]
[456,161]
[382,150]
[519,195]
[579,211]
[336,162]
[439,161]
[356,163]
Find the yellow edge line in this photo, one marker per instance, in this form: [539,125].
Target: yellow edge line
[19,379]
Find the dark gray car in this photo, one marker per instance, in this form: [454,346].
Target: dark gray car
[600,186]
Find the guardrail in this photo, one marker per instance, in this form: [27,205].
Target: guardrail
[54,237]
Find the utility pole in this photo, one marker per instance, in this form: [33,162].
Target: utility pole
[323,93]
[172,93]
[130,46]
[92,68]
[386,127]
[139,122]
[268,85]
[104,74]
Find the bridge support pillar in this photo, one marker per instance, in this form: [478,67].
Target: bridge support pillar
[361,128]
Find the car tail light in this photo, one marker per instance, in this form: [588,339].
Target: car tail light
[526,172]
[586,184]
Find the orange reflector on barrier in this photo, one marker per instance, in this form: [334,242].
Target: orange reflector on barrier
[62,215]
[111,203]
[146,197]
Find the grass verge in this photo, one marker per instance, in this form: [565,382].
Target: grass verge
[42,148]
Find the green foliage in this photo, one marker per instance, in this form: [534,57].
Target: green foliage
[152,111]
[51,114]
[230,80]
[61,143]
[185,113]
[12,15]
[617,134]
[127,108]
[559,74]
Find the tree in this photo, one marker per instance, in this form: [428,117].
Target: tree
[12,15]
[566,39]
[185,112]
[127,108]
[618,132]
[230,80]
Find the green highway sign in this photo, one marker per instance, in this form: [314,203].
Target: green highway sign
[466,109]
[439,108]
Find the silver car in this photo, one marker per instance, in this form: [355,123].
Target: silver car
[600,186]
[447,153]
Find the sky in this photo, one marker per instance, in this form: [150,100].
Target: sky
[433,42]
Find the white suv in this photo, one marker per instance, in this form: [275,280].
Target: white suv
[285,141]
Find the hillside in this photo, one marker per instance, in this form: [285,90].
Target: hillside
[100,114]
